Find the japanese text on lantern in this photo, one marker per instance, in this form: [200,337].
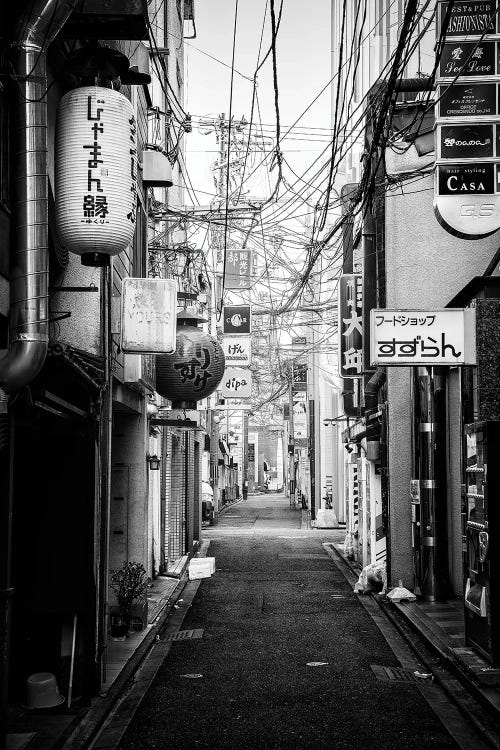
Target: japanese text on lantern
[351,325]
[195,370]
[95,207]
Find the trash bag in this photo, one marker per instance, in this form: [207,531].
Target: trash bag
[372,579]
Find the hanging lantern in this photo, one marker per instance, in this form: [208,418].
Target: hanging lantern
[96,173]
[195,369]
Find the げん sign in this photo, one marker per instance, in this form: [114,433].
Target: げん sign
[422,337]
[237,349]
[236,383]
[148,320]
[236,319]
[351,325]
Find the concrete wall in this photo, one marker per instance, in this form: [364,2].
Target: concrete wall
[426,267]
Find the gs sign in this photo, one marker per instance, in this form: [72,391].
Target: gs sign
[467,199]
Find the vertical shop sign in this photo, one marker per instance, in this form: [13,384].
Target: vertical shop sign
[351,325]
[238,269]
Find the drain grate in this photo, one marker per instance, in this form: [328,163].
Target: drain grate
[305,556]
[184,635]
[395,674]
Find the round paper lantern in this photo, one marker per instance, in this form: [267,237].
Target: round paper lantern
[96,173]
[194,370]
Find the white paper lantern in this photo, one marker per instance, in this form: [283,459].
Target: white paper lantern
[96,171]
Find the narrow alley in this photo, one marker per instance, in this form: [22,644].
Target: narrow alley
[285,655]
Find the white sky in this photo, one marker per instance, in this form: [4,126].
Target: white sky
[303,50]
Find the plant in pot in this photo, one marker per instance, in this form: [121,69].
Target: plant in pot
[130,584]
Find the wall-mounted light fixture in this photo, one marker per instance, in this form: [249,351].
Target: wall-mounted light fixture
[333,420]
[153,461]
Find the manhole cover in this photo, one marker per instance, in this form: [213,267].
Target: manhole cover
[184,635]
[395,674]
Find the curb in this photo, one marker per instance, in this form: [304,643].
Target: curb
[461,678]
[85,727]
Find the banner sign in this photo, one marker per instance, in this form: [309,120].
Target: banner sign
[468,17]
[234,405]
[238,269]
[422,337]
[470,141]
[300,415]
[237,349]
[148,316]
[351,325]
[236,383]
[236,319]
[299,376]
[298,342]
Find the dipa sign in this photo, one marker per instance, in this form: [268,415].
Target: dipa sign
[236,383]
[148,316]
[237,349]
[422,337]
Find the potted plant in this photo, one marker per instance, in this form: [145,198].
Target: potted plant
[130,584]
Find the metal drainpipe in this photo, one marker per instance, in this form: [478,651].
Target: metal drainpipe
[38,25]
[431,549]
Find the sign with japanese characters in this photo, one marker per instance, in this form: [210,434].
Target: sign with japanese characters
[236,319]
[471,59]
[236,383]
[422,337]
[466,17]
[466,100]
[468,141]
[148,319]
[351,325]
[96,171]
[237,349]
[238,269]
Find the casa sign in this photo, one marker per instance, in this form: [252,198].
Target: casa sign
[422,337]
[467,135]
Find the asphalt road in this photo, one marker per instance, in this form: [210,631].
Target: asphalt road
[277,604]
